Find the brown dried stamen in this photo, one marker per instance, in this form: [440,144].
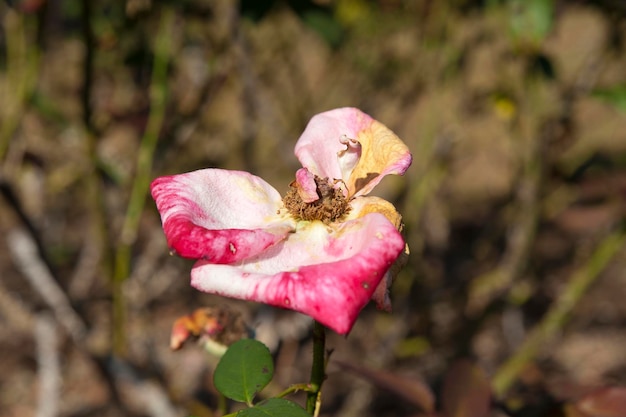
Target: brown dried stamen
[330,206]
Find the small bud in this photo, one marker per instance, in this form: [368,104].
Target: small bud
[213,327]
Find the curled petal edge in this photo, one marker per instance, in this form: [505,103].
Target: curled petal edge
[383,153]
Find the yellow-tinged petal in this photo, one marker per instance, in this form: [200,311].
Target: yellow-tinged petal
[382,153]
[370,204]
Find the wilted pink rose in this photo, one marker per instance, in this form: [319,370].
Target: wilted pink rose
[324,249]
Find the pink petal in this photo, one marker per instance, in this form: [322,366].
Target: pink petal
[348,144]
[381,296]
[328,274]
[306,186]
[321,142]
[362,206]
[349,158]
[218,215]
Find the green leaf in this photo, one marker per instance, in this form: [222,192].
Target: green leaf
[274,407]
[244,370]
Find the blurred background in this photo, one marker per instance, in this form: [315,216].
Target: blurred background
[515,112]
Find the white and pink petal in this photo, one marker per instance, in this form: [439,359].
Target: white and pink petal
[218,215]
[327,147]
[350,145]
[327,273]
[363,206]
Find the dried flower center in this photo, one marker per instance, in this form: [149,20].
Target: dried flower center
[330,206]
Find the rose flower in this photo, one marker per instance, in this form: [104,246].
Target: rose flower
[324,249]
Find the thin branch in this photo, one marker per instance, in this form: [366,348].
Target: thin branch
[49,367]
[559,313]
[29,260]
[25,255]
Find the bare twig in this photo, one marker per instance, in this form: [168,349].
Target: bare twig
[25,255]
[559,313]
[49,366]
[149,395]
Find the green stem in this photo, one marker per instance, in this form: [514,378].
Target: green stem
[22,66]
[558,314]
[295,388]
[317,369]
[143,171]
